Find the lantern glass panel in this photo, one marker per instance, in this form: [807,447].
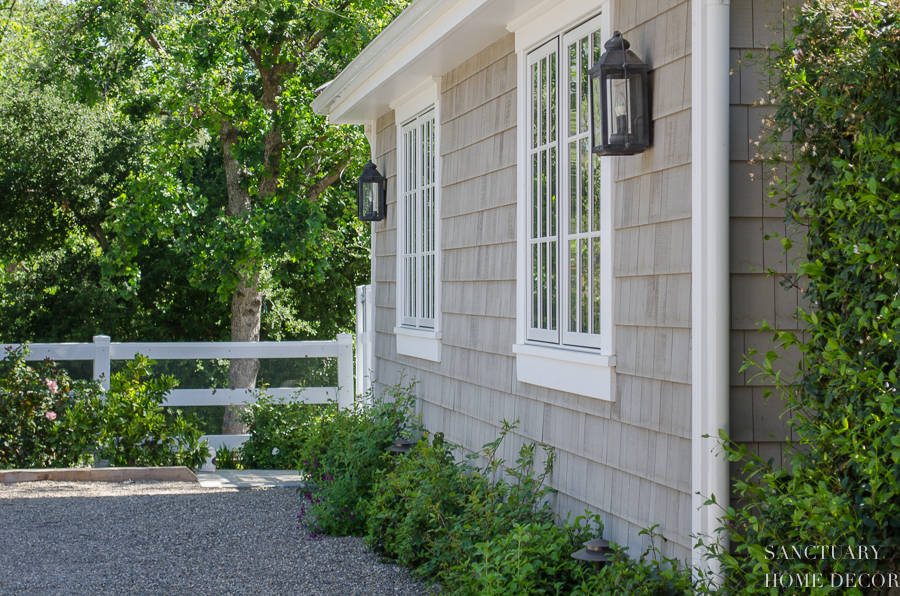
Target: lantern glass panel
[618,96]
[368,196]
[635,109]
[597,110]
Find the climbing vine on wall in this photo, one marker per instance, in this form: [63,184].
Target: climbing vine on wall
[835,131]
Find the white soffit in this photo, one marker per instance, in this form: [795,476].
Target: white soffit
[428,39]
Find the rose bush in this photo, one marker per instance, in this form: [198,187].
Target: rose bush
[36,429]
[48,419]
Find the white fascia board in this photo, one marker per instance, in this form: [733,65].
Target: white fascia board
[410,22]
[429,39]
[416,31]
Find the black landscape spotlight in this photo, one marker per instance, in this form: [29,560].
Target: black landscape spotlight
[401,445]
[620,104]
[371,194]
[596,551]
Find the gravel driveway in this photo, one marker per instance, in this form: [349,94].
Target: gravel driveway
[174,538]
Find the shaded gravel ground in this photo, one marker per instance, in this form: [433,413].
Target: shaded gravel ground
[174,538]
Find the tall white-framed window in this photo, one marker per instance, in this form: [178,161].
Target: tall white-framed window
[417,205]
[418,329]
[565,335]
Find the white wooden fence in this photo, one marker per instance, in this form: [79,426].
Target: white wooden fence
[365,335]
[102,351]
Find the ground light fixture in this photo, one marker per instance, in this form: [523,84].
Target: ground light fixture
[371,194]
[596,551]
[620,103]
[401,445]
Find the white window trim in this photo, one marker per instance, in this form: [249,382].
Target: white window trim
[411,341]
[582,371]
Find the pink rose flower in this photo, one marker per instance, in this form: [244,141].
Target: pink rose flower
[50,415]
[51,385]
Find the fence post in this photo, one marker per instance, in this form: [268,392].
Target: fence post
[345,370]
[101,359]
[361,339]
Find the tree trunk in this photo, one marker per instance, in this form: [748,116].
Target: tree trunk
[246,303]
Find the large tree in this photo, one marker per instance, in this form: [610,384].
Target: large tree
[234,78]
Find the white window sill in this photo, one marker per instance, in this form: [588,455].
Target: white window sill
[581,372]
[418,343]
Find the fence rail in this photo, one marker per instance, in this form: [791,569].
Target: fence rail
[102,351]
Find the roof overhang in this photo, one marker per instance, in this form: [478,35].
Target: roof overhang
[428,39]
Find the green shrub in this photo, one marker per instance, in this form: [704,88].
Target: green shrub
[278,430]
[342,452]
[534,558]
[228,459]
[133,429]
[503,497]
[430,511]
[476,530]
[49,420]
[38,425]
[412,504]
[650,575]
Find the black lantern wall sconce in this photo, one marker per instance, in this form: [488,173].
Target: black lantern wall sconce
[620,106]
[371,194]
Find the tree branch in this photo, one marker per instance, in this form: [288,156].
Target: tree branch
[319,187]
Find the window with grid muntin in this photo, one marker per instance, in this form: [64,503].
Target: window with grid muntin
[564,192]
[418,218]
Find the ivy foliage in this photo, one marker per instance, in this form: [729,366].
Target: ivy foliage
[836,131]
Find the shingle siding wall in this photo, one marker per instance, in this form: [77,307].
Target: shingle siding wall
[652,266]
[629,459]
[755,420]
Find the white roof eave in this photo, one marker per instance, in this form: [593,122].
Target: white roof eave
[378,51]
[428,39]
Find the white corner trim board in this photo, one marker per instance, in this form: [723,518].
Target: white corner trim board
[574,371]
[710,312]
[418,343]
